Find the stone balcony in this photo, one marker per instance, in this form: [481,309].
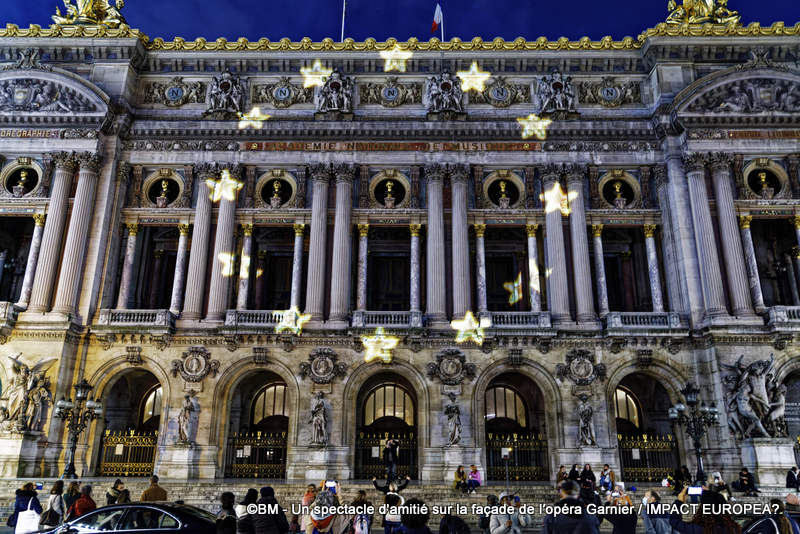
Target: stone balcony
[519,320]
[786,318]
[253,318]
[638,322]
[156,322]
[386,319]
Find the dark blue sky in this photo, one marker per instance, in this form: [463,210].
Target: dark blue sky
[396,18]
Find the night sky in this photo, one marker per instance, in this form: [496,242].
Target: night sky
[380,19]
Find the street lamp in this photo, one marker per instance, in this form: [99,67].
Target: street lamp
[77,419]
[696,419]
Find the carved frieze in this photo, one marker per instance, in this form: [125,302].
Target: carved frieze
[501,94]
[322,366]
[451,367]
[580,368]
[282,94]
[225,96]
[27,59]
[195,364]
[555,96]
[175,92]
[390,93]
[752,95]
[34,95]
[609,92]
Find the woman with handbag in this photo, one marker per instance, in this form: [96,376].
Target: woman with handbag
[53,515]
[27,508]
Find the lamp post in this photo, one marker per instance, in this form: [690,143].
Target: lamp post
[696,419]
[77,419]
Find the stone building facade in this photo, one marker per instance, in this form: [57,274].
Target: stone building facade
[165,241]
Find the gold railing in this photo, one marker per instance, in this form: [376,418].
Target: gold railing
[527,459]
[128,453]
[256,455]
[647,458]
[369,465]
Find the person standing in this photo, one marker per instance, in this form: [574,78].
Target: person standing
[83,505]
[655,523]
[390,453]
[25,500]
[577,520]
[226,518]
[54,511]
[362,520]
[271,523]
[509,523]
[154,492]
[414,523]
[72,494]
[112,495]
[701,523]
[791,478]
[391,486]
[623,517]
[485,518]
[244,520]
[473,479]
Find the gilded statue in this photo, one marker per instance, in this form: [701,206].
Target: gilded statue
[91,12]
[701,11]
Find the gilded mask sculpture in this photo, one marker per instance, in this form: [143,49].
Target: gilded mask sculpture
[162,200]
[275,200]
[389,199]
[504,201]
[19,189]
[619,201]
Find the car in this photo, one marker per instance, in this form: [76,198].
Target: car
[763,524]
[142,518]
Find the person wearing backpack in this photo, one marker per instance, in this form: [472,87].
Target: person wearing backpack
[362,522]
[25,501]
[53,514]
[322,520]
[392,519]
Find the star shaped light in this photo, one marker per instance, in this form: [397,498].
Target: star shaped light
[293,321]
[226,187]
[254,118]
[379,346]
[474,78]
[469,328]
[515,290]
[315,74]
[395,59]
[244,269]
[534,126]
[227,260]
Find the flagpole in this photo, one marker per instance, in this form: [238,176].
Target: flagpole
[344,8]
[443,25]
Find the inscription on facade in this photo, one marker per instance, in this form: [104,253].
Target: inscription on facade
[335,146]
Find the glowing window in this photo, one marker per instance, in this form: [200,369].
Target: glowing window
[151,408]
[388,400]
[626,406]
[504,402]
[269,401]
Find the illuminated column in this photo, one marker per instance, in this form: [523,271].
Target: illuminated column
[652,268]
[198,256]
[361,294]
[33,257]
[753,278]
[127,266]
[297,265]
[584,302]
[315,281]
[480,264]
[460,244]
[796,224]
[222,261]
[416,313]
[556,269]
[533,268]
[600,269]
[244,269]
[434,257]
[75,245]
[342,239]
[179,279]
[50,249]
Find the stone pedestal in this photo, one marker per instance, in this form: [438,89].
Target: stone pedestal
[768,459]
[19,454]
[466,456]
[431,465]
[188,461]
[319,463]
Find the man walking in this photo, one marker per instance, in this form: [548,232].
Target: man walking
[390,452]
[154,492]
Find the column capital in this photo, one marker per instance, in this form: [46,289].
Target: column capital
[38,219]
[551,173]
[363,230]
[660,175]
[344,173]
[531,229]
[133,228]
[597,230]
[299,228]
[649,230]
[796,222]
[694,162]
[458,173]
[575,172]
[480,229]
[248,229]
[415,229]
[89,161]
[183,229]
[204,171]
[158,253]
[124,172]
[720,161]
[434,173]
[744,221]
[796,252]
[67,161]
[320,172]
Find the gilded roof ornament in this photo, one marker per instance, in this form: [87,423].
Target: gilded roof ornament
[701,12]
[91,13]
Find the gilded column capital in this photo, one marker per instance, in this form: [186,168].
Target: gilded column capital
[133,228]
[415,229]
[67,161]
[158,253]
[299,228]
[796,222]
[744,221]
[796,252]
[694,162]
[597,230]
[89,161]
[649,230]
[38,219]
[320,172]
[531,229]
[261,255]
[183,229]
[248,229]
[363,230]
[720,161]
[480,230]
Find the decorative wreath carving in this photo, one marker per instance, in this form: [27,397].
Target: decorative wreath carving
[195,364]
[581,368]
[322,366]
[451,367]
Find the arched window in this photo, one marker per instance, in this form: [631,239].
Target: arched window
[626,406]
[388,400]
[505,403]
[150,413]
[270,401]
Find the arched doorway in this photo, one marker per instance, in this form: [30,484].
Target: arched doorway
[259,426]
[792,410]
[647,447]
[132,418]
[516,437]
[386,409]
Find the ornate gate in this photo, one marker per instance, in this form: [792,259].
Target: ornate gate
[256,455]
[647,458]
[527,456]
[128,454]
[369,454]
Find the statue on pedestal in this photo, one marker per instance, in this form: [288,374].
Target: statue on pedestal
[586,434]
[755,403]
[28,397]
[186,425]
[453,413]
[318,421]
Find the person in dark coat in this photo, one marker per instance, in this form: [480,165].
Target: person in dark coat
[574,474]
[390,453]
[624,516]
[72,494]
[25,498]
[791,478]
[574,518]
[391,486]
[112,495]
[746,483]
[244,520]
[267,523]
[587,474]
[226,518]
[414,523]
[654,523]
[701,523]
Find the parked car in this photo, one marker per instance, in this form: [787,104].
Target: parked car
[763,524]
[144,518]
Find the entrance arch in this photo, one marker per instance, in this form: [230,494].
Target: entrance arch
[386,408]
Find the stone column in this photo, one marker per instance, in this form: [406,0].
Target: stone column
[315,281]
[533,267]
[652,268]
[791,274]
[480,264]
[244,270]
[361,294]
[460,244]
[753,278]
[297,266]
[671,267]
[69,278]
[796,224]
[342,239]
[261,274]
[198,256]
[179,278]
[50,250]
[556,268]
[434,256]
[628,280]
[33,257]
[415,272]
[155,279]
[704,234]
[729,235]
[223,259]
[584,302]
[600,269]
[127,266]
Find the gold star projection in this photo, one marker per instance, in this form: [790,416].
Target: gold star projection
[474,78]
[315,75]
[534,126]
[395,59]
[379,346]
[292,321]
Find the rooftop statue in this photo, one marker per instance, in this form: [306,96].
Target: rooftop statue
[91,12]
[701,11]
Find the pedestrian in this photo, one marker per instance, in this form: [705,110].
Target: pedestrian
[718,523]
[244,519]
[308,499]
[391,486]
[362,520]
[484,519]
[155,492]
[656,522]
[573,517]
[226,517]
[746,483]
[323,519]
[124,496]
[619,497]
[717,485]
[586,475]
[414,521]
[791,478]
[392,517]
[72,494]
[26,499]
[113,493]
[54,510]
[390,453]
[460,479]
[622,514]
[561,476]
[452,524]
[83,505]
[473,479]
[272,522]
[514,522]
[607,478]
[574,474]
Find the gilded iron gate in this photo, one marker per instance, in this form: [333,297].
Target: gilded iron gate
[256,455]
[647,458]
[527,456]
[369,454]
[128,453]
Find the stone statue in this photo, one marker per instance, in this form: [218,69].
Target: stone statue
[29,394]
[443,94]
[453,413]
[91,13]
[586,434]
[755,403]
[318,421]
[38,400]
[185,419]
[555,93]
[225,95]
[335,95]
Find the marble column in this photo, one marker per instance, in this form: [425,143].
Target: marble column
[342,245]
[315,278]
[261,275]
[179,278]
[556,268]
[198,255]
[415,269]
[584,301]
[460,242]
[434,247]
[791,276]
[297,266]
[652,268]
[600,269]
[69,278]
[50,249]
[127,266]
[222,262]
[704,234]
[363,243]
[480,267]
[534,288]
[753,278]
[155,279]
[33,257]
[671,267]
[738,286]
[244,269]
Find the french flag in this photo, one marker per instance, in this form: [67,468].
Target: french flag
[437,18]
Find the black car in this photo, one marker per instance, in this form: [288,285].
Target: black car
[763,524]
[143,518]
